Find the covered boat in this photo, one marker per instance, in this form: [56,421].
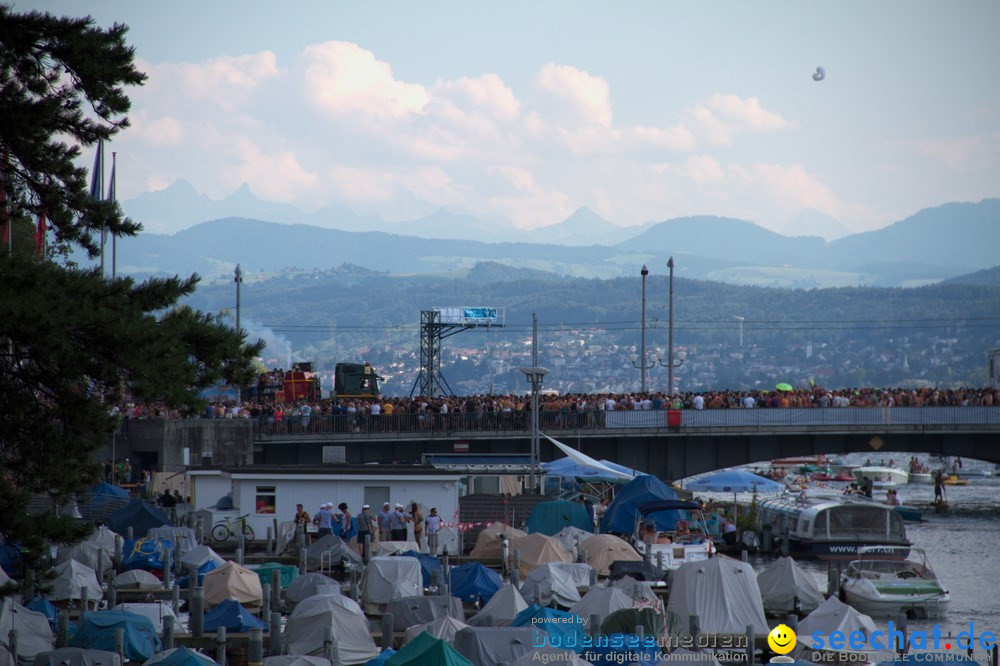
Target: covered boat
[70,656]
[489,543]
[472,582]
[697,587]
[306,629]
[410,611]
[551,584]
[389,578]
[444,628]
[232,581]
[487,646]
[881,585]
[537,549]
[605,549]
[96,631]
[501,609]
[34,635]
[786,588]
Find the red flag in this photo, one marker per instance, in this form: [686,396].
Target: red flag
[40,232]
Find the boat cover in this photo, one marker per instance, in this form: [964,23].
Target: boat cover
[140,516]
[409,611]
[449,541]
[305,629]
[627,619]
[487,646]
[602,602]
[395,547]
[231,581]
[537,549]
[198,556]
[623,650]
[155,611]
[71,577]
[549,655]
[472,582]
[45,607]
[503,607]
[444,628]
[565,630]
[782,582]
[339,552]
[570,537]
[34,635]
[638,590]
[306,586]
[382,659]
[833,615]
[550,517]
[104,499]
[550,583]
[489,543]
[184,582]
[137,578]
[105,538]
[428,565]
[623,512]
[87,553]
[234,617]
[147,553]
[69,656]
[605,549]
[288,573]
[389,578]
[426,649]
[96,631]
[296,660]
[696,588]
[183,537]
[182,656]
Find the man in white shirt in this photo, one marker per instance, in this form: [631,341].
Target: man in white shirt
[698,402]
[749,402]
[433,523]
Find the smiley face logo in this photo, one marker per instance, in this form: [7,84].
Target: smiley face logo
[781,640]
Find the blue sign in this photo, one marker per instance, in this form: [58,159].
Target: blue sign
[479,313]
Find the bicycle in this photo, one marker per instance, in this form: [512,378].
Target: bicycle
[227,528]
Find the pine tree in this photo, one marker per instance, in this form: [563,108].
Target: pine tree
[73,342]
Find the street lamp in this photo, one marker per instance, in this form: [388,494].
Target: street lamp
[642,351]
[238,280]
[670,334]
[534,375]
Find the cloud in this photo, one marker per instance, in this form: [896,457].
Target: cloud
[720,118]
[585,98]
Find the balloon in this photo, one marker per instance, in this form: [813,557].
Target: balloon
[820,74]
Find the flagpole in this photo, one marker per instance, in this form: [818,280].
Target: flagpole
[97,189]
[114,237]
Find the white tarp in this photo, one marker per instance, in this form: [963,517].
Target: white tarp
[550,583]
[71,577]
[198,556]
[601,601]
[307,586]
[306,628]
[72,656]
[833,615]
[642,593]
[571,537]
[138,579]
[231,581]
[336,552]
[34,634]
[538,549]
[104,537]
[409,611]
[503,607]
[394,547]
[603,550]
[489,543]
[697,587]
[586,461]
[87,553]
[444,628]
[782,582]
[488,646]
[155,611]
[389,578]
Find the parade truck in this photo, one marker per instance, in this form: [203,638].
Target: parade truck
[356,380]
[299,383]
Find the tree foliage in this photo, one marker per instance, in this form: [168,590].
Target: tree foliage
[72,342]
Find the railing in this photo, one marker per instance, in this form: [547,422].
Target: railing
[688,419]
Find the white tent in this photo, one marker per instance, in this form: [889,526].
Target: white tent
[601,601]
[231,581]
[605,549]
[138,579]
[489,543]
[198,556]
[308,585]
[503,607]
[71,577]
[34,635]
[832,615]
[72,656]
[697,587]
[538,549]
[410,611]
[444,628]
[549,583]
[87,553]
[305,629]
[389,578]
[105,538]
[641,593]
[155,611]
[571,537]
[782,582]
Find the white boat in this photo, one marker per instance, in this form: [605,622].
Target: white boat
[883,477]
[882,586]
[670,556]
[921,477]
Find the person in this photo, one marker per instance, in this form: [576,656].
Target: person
[418,525]
[663,537]
[301,519]
[178,499]
[729,532]
[682,530]
[324,520]
[344,521]
[384,521]
[939,486]
[397,524]
[891,498]
[433,523]
[869,486]
[366,525]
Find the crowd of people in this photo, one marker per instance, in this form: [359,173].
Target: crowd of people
[371,528]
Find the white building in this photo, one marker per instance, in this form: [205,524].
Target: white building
[271,493]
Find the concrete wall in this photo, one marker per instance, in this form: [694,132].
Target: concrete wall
[228,441]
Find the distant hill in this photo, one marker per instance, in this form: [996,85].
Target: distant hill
[989,277]
[583,227]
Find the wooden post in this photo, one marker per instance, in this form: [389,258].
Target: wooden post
[168,632]
[595,625]
[255,654]
[62,637]
[276,589]
[112,595]
[275,647]
[197,614]
[84,600]
[220,646]
[175,596]
[387,635]
[266,606]
[120,643]
[750,645]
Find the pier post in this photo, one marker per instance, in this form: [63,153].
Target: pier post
[387,636]
[584,556]
[647,552]
[167,566]
[220,646]
[659,561]
[118,554]
[241,543]
[168,632]
[84,600]
[328,643]
[593,577]
[255,654]
[129,533]
[178,567]
[112,595]
[744,555]
[100,565]
[517,559]
[792,620]
[239,556]
[62,636]
[832,581]
[269,546]
[515,578]
[276,589]
[750,646]
[505,553]
[197,614]
[303,560]
[275,647]
[994,653]
[120,643]
[175,597]
[366,547]
[12,644]
[265,610]
[354,589]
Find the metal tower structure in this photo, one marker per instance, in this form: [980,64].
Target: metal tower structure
[438,324]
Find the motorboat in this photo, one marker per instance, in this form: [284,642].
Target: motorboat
[681,547]
[833,527]
[882,477]
[921,477]
[910,514]
[884,586]
[955,480]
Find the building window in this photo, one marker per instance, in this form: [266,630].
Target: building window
[265,500]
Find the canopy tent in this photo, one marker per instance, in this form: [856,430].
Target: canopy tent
[564,629]
[389,578]
[71,578]
[234,617]
[306,628]
[551,583]
[550,517]
[537,549]
[782,583]
[428,565]
[141,516]
[696,588]
[182,656]
[734,481]
[97,630]
[444,628]
[472,582]
[426,649]
[410,611]
[70,656]
[34,635]
[486,646]
[622,514]
[830,616]
[232,581]
[503,607]
[569,468]
[583,466]
[307,586]
[489,543]
[605,549]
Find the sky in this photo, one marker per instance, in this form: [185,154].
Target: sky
[529,110]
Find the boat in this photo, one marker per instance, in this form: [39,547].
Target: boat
[882,585]
[670,556]
[830,475]
[910,514]
[955,480]
[833,527]
[882,477]
[921,477]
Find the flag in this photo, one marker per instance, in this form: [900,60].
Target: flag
[96,185]
[111,187]
[40,232]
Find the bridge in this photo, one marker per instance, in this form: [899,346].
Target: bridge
[669,444]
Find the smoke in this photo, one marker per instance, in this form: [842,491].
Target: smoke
[276,347]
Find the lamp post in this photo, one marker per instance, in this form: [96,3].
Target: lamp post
[534,375]
[670,333]
[740,319]
[238,280]
[642,351]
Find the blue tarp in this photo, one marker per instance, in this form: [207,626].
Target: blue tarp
[45,607]
[184,582]
[550,517]
[473,581]
[97,632]
[10,558]
[565,630]
[622,513]
[182,656]
[428,565]
[618,649]
[234,617]
[140,516]
[146,553]
[383,657]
